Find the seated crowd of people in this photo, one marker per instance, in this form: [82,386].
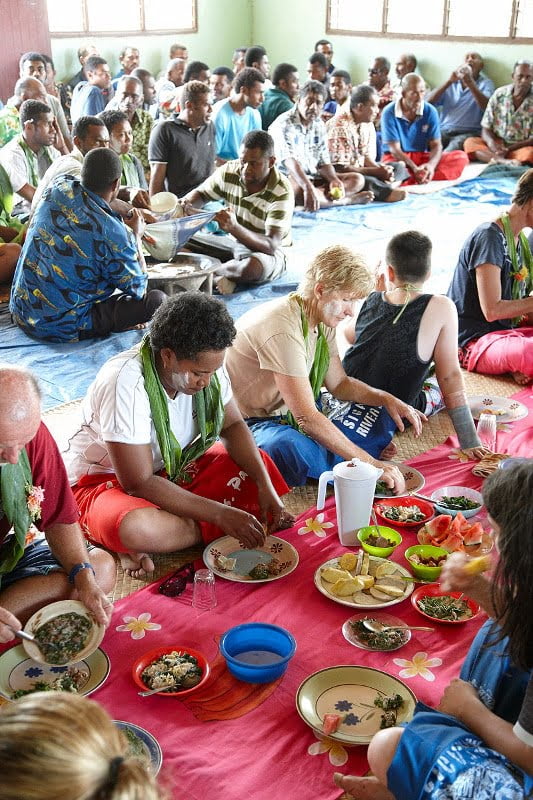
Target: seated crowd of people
[201,429]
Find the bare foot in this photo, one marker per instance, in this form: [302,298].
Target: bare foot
[388,452]
[360,199]
[521,378]
[366,788]
[396,195]
[223,285]
[136,565]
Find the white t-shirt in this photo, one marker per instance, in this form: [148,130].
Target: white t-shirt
[116,409]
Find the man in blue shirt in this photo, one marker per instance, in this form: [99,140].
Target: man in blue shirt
[462,99]
[238,114]
[410,131]
[77,253]
[90,97]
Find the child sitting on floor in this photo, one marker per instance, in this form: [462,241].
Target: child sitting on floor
[479,743]
[399,332]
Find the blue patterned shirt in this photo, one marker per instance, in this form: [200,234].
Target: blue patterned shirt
[77,252]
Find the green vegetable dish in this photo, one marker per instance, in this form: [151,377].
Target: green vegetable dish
[390,705]
[445,607]
[382,640]
[63,637]
[71,681]
[402,513]
[457,502]
[175,670]
[136,746]
[383,489]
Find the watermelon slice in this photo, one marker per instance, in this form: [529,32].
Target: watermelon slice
[330,723]
[437,528]
[453,542]
[472,534]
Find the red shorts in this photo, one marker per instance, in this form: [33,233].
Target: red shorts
[103,503]
[499,352]
[450,166]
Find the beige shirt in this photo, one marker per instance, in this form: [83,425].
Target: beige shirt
[270,339]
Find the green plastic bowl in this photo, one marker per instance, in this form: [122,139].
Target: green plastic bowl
[425,551]
[388,533]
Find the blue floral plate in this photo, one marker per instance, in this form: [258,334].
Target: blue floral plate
[17,671]
[142,744]
[350,692]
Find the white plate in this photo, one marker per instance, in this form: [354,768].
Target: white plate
[347,601]
[350,690]
[414,481]
[508,410]
[151,748]
[387,619]
[229,547]
[45,614]
[17,671]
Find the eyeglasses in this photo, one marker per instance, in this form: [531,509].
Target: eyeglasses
[373,71]
[176,583]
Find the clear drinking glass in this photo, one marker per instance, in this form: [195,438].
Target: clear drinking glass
[204,592]
[486,430]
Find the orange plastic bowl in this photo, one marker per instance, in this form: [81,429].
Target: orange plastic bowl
[153,655]
[425,507]
[434,590]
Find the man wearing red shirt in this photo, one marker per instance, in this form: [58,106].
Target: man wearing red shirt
[59,567]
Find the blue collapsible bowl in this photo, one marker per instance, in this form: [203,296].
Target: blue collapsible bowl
[257,636]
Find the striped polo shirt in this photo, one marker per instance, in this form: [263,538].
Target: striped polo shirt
[272,207]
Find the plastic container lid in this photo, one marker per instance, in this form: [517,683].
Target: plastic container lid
[356,470]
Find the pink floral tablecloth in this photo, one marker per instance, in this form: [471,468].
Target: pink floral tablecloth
[240,741]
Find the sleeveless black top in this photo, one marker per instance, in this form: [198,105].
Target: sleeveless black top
[385,355]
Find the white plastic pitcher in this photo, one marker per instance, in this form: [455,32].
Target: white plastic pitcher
[355,485]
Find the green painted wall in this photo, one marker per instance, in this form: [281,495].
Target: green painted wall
[288,29]
[222,26]
[304,21]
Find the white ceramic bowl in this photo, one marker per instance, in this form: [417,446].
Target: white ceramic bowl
[457,491]
[163,205]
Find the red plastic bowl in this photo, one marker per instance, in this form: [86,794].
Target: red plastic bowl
[425,507]
[152,655]
[434,590]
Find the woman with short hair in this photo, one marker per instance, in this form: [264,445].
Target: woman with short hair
[149,474]
[283,355]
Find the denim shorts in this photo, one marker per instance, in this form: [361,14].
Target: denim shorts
[36,560]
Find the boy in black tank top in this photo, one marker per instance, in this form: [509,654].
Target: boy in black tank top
[399,332]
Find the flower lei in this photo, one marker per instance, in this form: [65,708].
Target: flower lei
[521,269]
[21,504]
[34,500]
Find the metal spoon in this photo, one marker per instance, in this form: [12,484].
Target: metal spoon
[155,691]
[22,634]
[378,627]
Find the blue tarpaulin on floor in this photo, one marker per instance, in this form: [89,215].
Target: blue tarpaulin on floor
[447,216]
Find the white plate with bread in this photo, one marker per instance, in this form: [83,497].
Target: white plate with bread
[359,580]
